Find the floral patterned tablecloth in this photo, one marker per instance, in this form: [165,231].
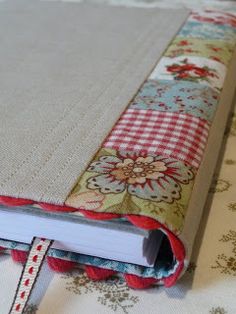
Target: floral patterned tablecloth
[209,285]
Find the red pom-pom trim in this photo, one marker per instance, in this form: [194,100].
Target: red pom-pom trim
[19,256]
[151,224]
[58,208]
[60,265]
[12,201]
[144,222]
[96,273]
[98,216]
[137,282]
[171,280]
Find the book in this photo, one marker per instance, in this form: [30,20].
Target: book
[110,132]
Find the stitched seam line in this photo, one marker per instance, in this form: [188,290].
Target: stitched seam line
[63,167]
[68,111]
[125,63]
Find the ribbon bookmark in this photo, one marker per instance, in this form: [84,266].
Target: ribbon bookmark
[30,272]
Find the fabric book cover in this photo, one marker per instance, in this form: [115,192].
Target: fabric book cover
[111,118]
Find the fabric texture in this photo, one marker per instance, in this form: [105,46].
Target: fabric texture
[177,96]
[163,133]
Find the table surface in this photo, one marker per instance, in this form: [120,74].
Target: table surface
[209,285]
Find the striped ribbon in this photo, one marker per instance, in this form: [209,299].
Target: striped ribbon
[30,272]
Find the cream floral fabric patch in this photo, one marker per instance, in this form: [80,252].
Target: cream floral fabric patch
[121,182]
[216,50]
[194,69]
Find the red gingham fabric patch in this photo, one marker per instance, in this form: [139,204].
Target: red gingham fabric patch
[166,133]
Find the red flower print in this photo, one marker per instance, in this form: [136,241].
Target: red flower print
[222,19]
[149,177]
[180,68]
[216,49]
[184,43]
[215,58]
[183,75]
[189,50]
[203,19]
[190,71]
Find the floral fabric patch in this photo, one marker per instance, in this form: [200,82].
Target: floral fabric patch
[161,133]
[213,49]
[177,96]
[193,69]
[146,184]
[208,31]
[213,16]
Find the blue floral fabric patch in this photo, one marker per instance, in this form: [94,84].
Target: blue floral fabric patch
[208,31]
[181,96]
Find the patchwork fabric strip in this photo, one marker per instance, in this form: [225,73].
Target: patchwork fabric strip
[162,133]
